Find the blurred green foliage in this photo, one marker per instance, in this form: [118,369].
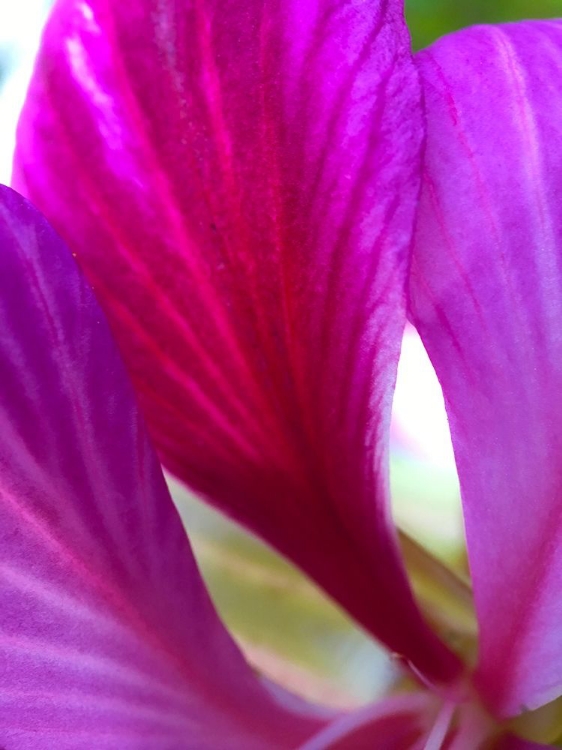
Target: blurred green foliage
[430,19]
[287,627]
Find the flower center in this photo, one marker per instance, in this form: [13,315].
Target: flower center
[469,720]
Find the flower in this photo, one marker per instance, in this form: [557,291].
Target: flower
[101,633]
[259,193]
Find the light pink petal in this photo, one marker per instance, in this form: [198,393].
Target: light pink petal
[107,635]
[486,290]
[239,182]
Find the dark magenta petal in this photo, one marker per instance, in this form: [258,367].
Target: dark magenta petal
[107,635]
[486,291]
[516,743]
[239,182]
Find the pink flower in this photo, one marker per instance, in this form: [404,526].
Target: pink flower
[257,192]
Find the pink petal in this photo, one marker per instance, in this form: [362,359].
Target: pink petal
[486,291]
[107,636]
[396,723]
[240,186]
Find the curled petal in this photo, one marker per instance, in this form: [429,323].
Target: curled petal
[107,636]
[486,295]
[239,184]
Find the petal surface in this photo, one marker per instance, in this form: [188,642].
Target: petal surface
[398,723]
[240,187]
[107,635]
[486,296]
[510,742]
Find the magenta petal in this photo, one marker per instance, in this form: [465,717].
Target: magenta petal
[240,185]
[107,636]
[486,292]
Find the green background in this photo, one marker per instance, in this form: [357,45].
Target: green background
[430,19]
